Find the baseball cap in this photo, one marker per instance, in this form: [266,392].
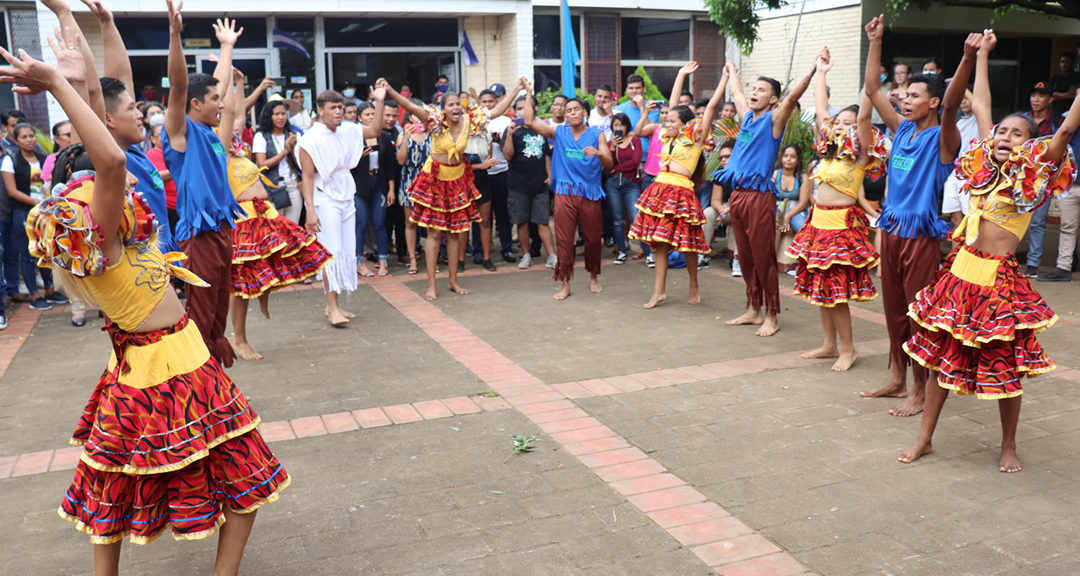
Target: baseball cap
[1042,88]
[498,89]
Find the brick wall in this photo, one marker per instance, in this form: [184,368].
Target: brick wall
[509,43]
[841,29]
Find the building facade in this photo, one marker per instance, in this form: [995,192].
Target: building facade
[412,42]
[1029,46]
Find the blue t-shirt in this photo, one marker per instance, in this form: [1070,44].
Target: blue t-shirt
[753,158]
[573,173]
[204,200]
[634,113]
[916,180]
[152,189]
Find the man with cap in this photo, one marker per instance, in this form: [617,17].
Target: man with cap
[1042,113]
[498,173]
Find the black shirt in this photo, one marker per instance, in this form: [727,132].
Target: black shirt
[528,168]
[1060,83]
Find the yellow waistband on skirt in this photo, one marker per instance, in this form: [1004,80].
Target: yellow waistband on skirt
[674,179]
[173,355]
[446,172]
[829,219]
[249,207]
[971,268]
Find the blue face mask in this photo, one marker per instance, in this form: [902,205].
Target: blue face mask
[442,88]
[349,93]
[884,78]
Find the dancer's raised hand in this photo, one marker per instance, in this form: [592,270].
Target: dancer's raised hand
[30,76]
[875,29]
[226,32]
[69,56]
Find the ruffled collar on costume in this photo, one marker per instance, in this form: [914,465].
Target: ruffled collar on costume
[687,136]
[1027,174]
[847,146]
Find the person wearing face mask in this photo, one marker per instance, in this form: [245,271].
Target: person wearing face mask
[442,85]
[932,65]
[349,92]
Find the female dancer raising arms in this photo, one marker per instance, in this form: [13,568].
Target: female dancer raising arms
[443,194]
[979,318]
[161,375]
[833,248]
[669,212]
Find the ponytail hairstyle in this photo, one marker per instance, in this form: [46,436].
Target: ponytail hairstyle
[69,161]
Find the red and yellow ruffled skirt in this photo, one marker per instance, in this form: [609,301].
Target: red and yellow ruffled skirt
[834,256]
[979,319]
[669,213]
[444,197]
[170,442]
[270,251]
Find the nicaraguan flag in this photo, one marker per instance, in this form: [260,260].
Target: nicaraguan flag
[470,56]
[287,41]
[570,53]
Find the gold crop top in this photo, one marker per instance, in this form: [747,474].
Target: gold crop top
[443,142]
[242,172]
[1008,193]
[839,165]
[62,235]
[682,149]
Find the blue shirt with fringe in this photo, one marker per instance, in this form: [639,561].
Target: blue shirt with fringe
[204,200]
[573,173]
[753,158]
[916,181]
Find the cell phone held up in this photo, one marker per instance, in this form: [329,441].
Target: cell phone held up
[619,133]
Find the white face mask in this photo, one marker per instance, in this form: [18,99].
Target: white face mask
[157,120]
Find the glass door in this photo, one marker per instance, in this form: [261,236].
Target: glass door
[418,70]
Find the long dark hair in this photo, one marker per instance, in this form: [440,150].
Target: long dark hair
[798,155]
[266,119]
[69,161]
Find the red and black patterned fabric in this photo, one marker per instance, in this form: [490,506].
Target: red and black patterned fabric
[175,454]
[834,265]
[670,214]
[447,205]
[271,253]
[981,339]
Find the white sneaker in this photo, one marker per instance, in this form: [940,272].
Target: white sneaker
[702,261]
[650,261]
[525,262]
[736,270]
[552,261]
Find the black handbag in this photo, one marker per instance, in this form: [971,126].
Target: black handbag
[279,196]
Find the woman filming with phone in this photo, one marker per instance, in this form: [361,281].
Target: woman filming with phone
[623,184]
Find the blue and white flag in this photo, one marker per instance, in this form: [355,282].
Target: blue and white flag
[570,53]
[470,56]
[287,41]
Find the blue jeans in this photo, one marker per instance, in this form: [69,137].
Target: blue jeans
[372,210]
[798,220]
[10,285]
[26,261]
[622,194]
[1038,235]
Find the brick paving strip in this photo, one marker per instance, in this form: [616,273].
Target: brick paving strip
[710,532]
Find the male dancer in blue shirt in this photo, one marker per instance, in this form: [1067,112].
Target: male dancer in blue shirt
[753,205]
[922,156]
[197,160]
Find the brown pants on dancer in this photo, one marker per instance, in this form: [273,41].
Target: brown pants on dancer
[753,220]
[907,266]
[569,212]
[211,259]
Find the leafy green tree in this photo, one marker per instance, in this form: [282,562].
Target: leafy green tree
[543,100]
[738,19]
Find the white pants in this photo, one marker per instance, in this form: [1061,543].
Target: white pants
[297,200]
[337,219]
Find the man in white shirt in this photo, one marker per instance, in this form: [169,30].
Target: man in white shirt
[327,154]
[600,117]
[498,173]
